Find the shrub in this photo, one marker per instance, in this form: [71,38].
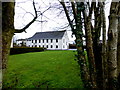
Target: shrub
[20,50]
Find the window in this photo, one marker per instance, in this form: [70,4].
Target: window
[39,46]
[47,46]
[51,40]
[43,40]
[56,40]
[35,45]
[47,40]
[43,46]
[39,41]
[32,41]
[56,46]
[51,46]
[35,41]
[63,46]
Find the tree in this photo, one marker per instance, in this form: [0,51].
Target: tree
[94,70]
[112,45]
[90,81]
[118,45]
[98,57]
[8,29]
[104,66]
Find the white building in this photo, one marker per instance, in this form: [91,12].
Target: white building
[21,42]
[52,40]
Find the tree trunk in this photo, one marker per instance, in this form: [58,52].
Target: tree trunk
[104,50]
[97,47]
[91,59]
[79,44]
[118,51]
[112,47]
[7,30]
[89,46]
[0,36]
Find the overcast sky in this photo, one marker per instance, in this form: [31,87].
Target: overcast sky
[53,18]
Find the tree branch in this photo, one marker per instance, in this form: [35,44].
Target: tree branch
[23,29]
[67,15]
[74,11]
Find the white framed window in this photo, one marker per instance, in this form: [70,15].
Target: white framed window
[32,41]
[56,40]
[56,46]
[51,40]
[51,46]
[43,40]
[35,41]
[47,40]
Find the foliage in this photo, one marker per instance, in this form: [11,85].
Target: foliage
[101,70]
[20,50]
[48,69]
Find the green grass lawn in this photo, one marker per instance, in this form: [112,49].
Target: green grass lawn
[48,69]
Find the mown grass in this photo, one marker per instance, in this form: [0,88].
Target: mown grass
[48,69]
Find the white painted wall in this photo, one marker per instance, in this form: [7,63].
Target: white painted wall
[65,41]
[62,43]
[11,43]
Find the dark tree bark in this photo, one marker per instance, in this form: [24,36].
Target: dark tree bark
[7,30]
[97,47]
[89,45]
[79,41]
[0,36]
[104,48]
[118,52]
[118,47]
[79,44]
[112,46]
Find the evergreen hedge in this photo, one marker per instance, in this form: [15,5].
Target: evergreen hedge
[20,50]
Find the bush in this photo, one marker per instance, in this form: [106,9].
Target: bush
[20,50]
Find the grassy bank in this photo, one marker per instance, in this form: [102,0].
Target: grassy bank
[48,69]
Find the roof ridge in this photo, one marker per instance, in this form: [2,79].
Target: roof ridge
[51,31]
[49,34]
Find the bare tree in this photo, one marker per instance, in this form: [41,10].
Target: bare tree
[88,75]
[104,47]
[118,47]
[8,29]
[99,72]
[112,46]
[96,71]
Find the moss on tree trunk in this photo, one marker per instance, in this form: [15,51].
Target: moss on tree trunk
[112,47]
[7,30]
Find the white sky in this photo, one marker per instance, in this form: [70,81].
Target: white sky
[22,18]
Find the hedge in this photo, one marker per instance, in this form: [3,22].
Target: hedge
[20,50]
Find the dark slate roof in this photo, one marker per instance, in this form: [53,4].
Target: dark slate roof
[47,35]
[21,40]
